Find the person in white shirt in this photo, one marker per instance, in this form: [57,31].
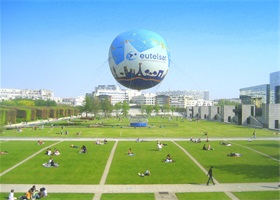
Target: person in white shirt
[11,195]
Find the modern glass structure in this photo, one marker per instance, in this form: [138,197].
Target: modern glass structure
[250,94]
[275,87]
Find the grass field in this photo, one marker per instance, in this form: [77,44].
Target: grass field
[157,128]
[259,161]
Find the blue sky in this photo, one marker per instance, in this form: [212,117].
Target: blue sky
[219,46]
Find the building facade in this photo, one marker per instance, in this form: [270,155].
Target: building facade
[274,87]
[6,94]
[250,94]
[194,94]
[115,93]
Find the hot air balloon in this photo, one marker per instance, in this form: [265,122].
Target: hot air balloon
[139,59]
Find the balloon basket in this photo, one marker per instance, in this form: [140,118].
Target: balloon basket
[138,121]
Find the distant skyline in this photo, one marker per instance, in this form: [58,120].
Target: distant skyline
[215,45]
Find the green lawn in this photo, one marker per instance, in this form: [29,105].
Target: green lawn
[258,195]
[202,196]
[75,168]
[18,151]
[56,196]
[270,148]
[124,168]
[128,196]
[251,167]
[157,128]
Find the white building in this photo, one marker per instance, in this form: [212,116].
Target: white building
[182,101]
[116,94]
[144,99]
[6,94]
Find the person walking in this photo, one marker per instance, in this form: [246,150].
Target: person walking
[210,174]
[254,135]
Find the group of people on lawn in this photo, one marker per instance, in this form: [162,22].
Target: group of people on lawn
[55,152]
[32,193]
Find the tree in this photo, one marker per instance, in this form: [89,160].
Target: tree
[125,108]
[172,108]
[118,106]
[156,109]
[25,103]
[41,102]
[143,109]
[8,103]
[223,102]
[96,106]
[107,107]
[166,108]
[88,106]
[149,109]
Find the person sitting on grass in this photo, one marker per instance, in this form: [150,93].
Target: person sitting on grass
[51,162]
[168,159]
[43,192]
[73,146]
[49,152]
[56,152]
[130,152]
[83,149]
[12,195]
[232,154]
[28,195]
[146,173]
[204,147]
[35,192]
[40,142]
[209,147]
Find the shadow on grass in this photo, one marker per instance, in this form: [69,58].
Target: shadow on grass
[251,171]
[154,150]
[266,145]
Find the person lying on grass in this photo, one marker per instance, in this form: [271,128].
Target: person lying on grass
[225,143]
[3,152]
[146,173]
[232,154]
[73,146]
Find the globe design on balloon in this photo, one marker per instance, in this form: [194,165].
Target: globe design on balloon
[139,59]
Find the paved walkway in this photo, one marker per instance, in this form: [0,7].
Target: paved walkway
[161,191]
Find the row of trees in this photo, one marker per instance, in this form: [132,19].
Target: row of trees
[28,102]
[148,109]
[95,105]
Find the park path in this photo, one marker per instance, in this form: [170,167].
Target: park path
[161,191]
[97,195]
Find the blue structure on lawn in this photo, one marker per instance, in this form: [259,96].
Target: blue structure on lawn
[138,121]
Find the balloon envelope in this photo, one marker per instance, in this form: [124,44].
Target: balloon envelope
[139,59]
